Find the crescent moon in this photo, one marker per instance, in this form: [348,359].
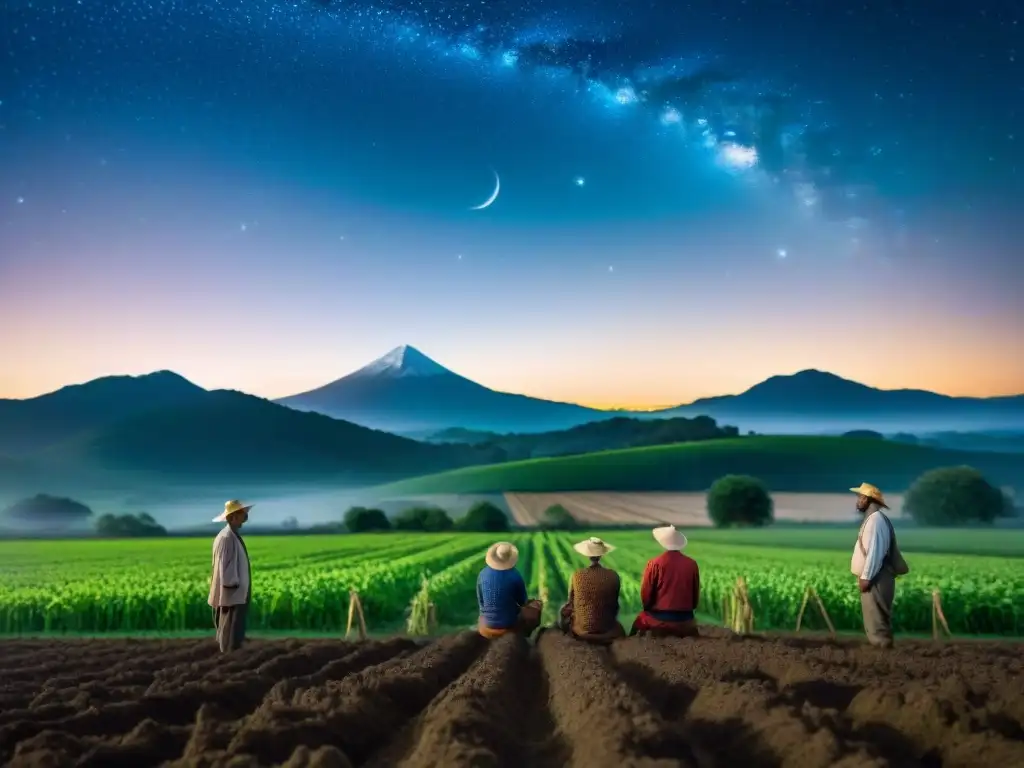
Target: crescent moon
[494,195]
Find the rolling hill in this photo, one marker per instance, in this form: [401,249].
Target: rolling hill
[604,435]
[32,424]
[812,464]
[816,402]
[405,391]
[226,434]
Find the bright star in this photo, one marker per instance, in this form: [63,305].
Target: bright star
[625,95]
[21,200]
[781,253]
[737,156]
[244,227]
[671,116]
[579,181]
[611,269]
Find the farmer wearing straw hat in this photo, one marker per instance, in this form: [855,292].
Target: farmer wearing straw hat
[876,563]
[232,577]
[501,594]
[670,590]
[592,610]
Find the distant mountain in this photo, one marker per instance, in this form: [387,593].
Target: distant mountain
[814,401]
[605,435]
[405,391]
[227,435]
[32,424]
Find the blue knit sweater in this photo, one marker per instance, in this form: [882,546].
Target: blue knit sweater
[500,595]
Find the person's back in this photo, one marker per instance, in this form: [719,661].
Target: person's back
[675,586]
[500,594]
[595,600]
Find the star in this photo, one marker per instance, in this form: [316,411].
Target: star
[781,253]
[459,257]
[244,227]
[20,200]
[611,269]
[579,181]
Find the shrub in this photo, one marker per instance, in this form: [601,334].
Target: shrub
[952,496]
[432,519]
[364,520]
[739,500]
[49,509]
[484,516]
[558,518]
[129,526]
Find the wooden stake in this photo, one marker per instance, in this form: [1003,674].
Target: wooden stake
[431,618]
[351,613]
[362,617]
[803,607]
[812,594]
[824,613]
[937,613]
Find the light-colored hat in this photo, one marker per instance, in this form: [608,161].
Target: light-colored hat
[872,492]
[669,538]
[502,556]
[230,507]
[593,547]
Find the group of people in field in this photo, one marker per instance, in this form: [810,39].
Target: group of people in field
[669,593]
[669,589]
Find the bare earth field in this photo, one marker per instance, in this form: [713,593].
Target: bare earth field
[460,701]
[676,508]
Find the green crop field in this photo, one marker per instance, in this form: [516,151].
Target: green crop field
[302,583]
[791,463]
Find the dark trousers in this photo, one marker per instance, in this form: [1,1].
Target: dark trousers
[230,623]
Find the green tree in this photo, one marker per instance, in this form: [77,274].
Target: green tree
[558,518]
[739,500]
[484,516]
[365,520]
[951,496]
[129,526]
[433,519]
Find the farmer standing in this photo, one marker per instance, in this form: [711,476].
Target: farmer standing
[230,585]
[876,563]
[670,590]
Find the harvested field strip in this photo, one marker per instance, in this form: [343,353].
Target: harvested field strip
[523,513]
[461,702]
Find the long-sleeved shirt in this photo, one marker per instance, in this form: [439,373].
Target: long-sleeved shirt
[500,594]
[872,546]
[232,577]
[594,599]
[670,590]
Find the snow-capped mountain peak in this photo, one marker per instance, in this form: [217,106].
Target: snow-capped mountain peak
[403,361]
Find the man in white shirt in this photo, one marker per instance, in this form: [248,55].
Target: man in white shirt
[871,564]
[230,584]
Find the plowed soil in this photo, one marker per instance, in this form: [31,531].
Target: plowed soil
[463,701]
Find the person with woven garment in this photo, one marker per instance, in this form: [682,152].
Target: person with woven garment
[670,590]
[501,595]
[592,610]
[876,563]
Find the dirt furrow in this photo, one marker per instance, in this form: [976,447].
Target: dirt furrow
[604,721]
[362,712]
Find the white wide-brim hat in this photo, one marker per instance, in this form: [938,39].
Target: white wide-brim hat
[502,556]
[230,507]
[669,538]
[593,547]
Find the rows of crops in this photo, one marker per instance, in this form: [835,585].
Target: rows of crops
[303,583]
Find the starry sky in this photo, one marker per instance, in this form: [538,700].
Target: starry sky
[694,196]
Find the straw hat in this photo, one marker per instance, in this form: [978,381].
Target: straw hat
[669,538]
[230,507]
[872,492]
[502,556]
[593,547]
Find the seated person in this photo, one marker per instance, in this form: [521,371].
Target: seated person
[501,594]
[592,611]
[670,590]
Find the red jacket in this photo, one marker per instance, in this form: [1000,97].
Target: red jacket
[671,583]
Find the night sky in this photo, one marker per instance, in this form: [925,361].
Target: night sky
[694,196]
